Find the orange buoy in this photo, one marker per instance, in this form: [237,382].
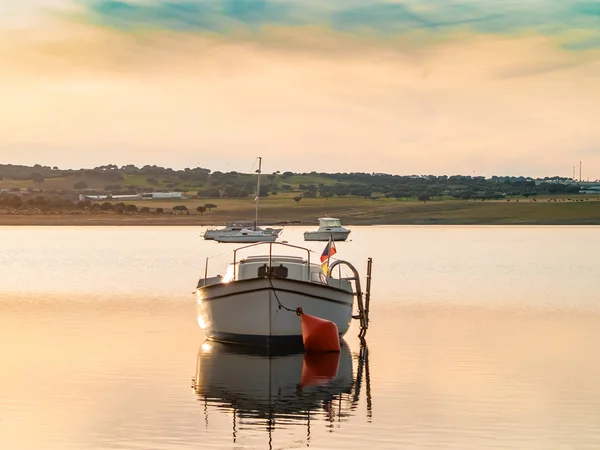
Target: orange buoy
[319,335]
[319,368]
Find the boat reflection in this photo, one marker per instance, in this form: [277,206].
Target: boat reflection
[285,388]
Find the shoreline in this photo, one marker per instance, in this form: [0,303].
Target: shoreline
[193,220]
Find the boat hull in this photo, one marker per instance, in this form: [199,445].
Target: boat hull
[249,312]
[212,234]
[242,239]
[326,235]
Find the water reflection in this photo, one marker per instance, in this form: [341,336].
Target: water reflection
[267,390]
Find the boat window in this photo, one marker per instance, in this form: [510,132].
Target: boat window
[276,272]
[262,271]
[331,223]
[318,277]
[279,272]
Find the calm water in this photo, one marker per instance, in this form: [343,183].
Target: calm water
[481,337]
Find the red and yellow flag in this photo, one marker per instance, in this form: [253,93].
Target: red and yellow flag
[328,252]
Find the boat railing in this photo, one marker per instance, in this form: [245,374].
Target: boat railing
[270,244]
[363,306]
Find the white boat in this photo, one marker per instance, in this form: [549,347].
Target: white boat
[247,235]
[250,234]
[329,228]
[235,226]
[255,302]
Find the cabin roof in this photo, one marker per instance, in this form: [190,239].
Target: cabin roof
[278,258]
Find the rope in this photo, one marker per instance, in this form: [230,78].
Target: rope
[298,310]
[247,179]
[216,255]
[281,305]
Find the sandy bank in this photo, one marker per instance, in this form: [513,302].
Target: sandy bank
[194,220]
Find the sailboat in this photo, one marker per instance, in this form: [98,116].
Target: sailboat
[236,225]
[250,234]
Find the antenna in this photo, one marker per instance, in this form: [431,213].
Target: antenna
[580,171]
[573,173]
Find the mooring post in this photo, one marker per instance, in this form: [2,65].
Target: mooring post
[368,289]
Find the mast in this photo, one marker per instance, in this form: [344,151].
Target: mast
[257,192]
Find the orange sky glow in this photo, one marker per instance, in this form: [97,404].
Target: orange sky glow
[307,97]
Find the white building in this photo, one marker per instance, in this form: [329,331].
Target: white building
[155,195]
[110,197]
[146,196]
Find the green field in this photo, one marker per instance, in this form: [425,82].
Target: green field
[282,208]
[352,211]
[140,181]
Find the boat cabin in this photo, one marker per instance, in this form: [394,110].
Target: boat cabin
[292,267]
[282,267]
[329,222]
[237,226]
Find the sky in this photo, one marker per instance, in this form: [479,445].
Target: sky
[472,87]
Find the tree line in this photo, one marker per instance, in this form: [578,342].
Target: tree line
[204,183]
[58,204]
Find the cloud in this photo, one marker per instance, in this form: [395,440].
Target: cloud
[166,81]
[380,17]
[538,68]
[587,8]
[171,103]
[187,15]
[375,17]
[217,16]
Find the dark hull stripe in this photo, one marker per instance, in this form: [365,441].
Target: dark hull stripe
[324,238]
[286,280]
[276,289]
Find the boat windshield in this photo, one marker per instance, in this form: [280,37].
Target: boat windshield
[330,223]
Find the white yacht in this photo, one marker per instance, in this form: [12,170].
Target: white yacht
[235,226]
[329,228]
[257,299]
[247,235]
